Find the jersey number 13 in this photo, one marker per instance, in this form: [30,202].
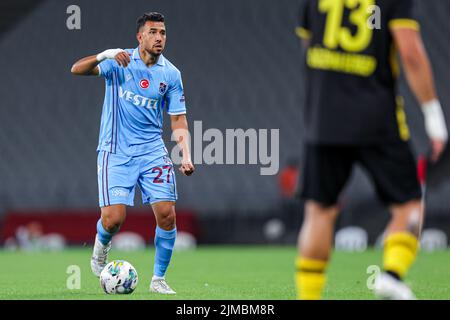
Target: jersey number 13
[338,35]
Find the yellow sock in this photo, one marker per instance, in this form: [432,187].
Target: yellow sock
[309,278]
[400,250]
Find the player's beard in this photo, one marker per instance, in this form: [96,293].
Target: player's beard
[156,55]
[154,52]
[157,52]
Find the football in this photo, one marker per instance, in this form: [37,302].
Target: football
[119,277]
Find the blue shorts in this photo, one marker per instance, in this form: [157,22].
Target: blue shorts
[118,175]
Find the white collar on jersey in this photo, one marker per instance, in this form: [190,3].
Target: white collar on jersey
[161,60]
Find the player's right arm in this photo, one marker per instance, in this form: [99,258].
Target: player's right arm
[88,66]
[419,75]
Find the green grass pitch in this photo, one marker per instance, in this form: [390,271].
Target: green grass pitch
[213,272]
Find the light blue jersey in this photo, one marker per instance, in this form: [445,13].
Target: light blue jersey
[131,150]
[135,98]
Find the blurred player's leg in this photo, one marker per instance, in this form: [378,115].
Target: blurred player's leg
[109,224]
[394,172]
[326,170]
[165,236]
[400,250]
[401,242]
[315,245]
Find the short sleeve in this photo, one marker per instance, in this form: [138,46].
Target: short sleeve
[403,14]
[303,29]
[106,68]
[176,104]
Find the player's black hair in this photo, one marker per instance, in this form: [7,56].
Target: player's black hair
[150,16]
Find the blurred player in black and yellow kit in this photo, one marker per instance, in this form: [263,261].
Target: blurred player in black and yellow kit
[354,115]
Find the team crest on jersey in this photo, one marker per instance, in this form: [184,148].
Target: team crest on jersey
[144,83]
[162,88]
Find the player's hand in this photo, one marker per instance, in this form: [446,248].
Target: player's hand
[123,59]
[435,127]
[121,56]
[187,168]
[437,148]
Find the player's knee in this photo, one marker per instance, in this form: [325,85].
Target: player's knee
[166,220]
[112,226]
[319,211]
[112,222]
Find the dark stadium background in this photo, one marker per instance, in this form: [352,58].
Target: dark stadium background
[241,67]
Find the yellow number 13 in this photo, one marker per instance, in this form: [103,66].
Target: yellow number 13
[337,35]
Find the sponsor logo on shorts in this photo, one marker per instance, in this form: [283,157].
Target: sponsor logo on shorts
[120,192]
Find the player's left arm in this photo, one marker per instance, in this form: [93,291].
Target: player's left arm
[176,108]
[181,134]
[420,78]
[405,30]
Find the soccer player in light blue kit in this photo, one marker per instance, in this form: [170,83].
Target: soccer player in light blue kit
[140,84]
